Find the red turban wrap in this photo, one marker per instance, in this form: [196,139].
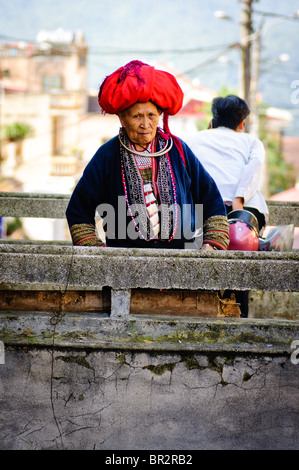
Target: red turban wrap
[137,82]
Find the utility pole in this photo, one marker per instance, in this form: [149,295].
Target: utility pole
[250,47]
[254,79]
[245,43]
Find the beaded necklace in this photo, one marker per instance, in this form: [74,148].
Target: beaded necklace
[145,165]
[139,169]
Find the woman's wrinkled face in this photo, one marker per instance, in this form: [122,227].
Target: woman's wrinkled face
[140,121]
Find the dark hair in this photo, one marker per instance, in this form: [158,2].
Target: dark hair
[229,111]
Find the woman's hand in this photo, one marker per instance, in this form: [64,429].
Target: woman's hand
[206,247]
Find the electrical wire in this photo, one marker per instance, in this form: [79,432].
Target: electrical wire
[106,50]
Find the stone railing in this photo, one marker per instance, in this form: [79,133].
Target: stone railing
[182,282]
[64,165]
[54,206]
[110,348]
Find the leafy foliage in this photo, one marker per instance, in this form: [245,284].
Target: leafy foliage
[280,174]
[17,131]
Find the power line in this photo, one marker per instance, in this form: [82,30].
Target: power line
[293,17]
[210,61]
[107,50]
[157,51]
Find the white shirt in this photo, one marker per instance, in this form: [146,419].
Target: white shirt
[235,160]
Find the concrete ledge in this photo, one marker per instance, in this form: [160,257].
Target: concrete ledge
[16,204]
[92,331]
[283,213]
[52,206]
[60,267]
[114,380]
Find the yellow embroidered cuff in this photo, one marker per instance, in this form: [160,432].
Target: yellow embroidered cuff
[85,235]
[216,232]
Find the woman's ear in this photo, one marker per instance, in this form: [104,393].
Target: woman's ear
[240,127]
[121,119]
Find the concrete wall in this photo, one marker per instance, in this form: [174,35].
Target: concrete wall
[111,399]
[264,304]
[88,382]
[117,381]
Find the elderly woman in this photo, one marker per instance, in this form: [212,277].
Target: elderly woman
[145,183]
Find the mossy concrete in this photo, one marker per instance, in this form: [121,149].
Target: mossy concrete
[114,380]
[91,382]
[100,331]
[109,400]
[61,267]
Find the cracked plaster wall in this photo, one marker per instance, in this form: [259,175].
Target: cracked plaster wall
[124,400]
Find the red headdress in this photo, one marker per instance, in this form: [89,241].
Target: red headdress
[137,82]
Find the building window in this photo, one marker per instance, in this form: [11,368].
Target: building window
[52,82]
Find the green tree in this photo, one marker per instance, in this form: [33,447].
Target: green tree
[17,131]
[280,174]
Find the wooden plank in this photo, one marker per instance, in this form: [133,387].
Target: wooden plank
[182,303]
[52,301]
[143,302]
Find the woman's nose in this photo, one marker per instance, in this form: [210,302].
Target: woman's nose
[145,122]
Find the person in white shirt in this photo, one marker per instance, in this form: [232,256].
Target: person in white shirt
[233,158]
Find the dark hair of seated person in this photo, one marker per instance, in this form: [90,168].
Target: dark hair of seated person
[229,111]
